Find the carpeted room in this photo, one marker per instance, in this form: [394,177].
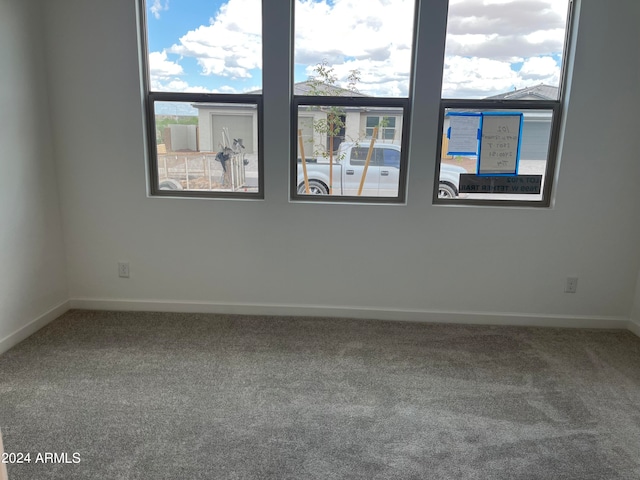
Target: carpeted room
[168,395]
[301,388]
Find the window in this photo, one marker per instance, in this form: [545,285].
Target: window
[386,127]
[352,72]
[351,100]
[501,101]
[333,160]
[203,98]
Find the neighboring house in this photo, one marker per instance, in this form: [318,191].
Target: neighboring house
[536,129]
[359,122]
[537,125]
[242,122]
[538,92]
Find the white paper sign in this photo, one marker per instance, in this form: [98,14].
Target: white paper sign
[499,144]
[463,138]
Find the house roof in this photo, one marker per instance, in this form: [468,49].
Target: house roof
[306,87]
[537,92]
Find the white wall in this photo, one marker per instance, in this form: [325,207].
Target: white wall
[33,281]
[418,257]
[635,312]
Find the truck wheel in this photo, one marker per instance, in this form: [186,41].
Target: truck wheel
[315,188]
[170,184]
[446,191]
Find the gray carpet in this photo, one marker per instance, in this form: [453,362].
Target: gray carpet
[183,396]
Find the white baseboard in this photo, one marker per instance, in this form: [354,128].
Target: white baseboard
[30,328]
[483,318]
[634,327]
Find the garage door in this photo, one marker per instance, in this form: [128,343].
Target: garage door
[535,140]
[239,126]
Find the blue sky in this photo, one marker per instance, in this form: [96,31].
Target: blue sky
[168,21]
[167,26]
[492,45]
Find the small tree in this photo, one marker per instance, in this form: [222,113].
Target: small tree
[324,83]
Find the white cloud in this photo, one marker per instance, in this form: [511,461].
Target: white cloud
[487,40]
[482,77]
[231,45]
[388,77]
[540,69]
[492,45]
[161,67]
[554,36]
[497,45]
[476,77]
[376,40]
[505,18]
[158,6]
[179,85]
[345,29]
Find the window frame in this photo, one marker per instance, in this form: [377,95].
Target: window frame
[406,104]
[504,105]
[150,97]
[403,103]
[557,108]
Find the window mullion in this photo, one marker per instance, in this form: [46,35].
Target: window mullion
[277,28]
[431,21]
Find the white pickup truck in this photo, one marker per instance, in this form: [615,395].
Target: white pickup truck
[383,173]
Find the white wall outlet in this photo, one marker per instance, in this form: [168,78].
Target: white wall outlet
[123,269]
[572,285]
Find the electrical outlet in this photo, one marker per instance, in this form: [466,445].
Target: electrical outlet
[572,285]
[123,269]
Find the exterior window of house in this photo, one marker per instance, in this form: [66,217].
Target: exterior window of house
[351,96]
[203,97]
[502,95]
[386,127]
[500,112]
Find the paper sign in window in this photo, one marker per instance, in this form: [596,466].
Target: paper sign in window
[500,135]
[463,134]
